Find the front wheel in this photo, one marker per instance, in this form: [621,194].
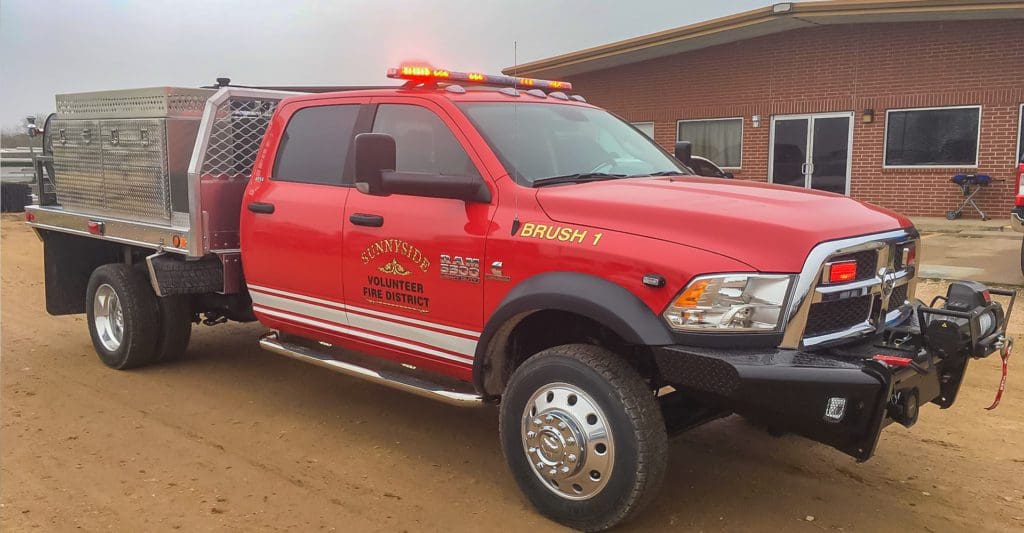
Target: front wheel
[583,435]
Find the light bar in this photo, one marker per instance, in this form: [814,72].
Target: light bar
[427,74]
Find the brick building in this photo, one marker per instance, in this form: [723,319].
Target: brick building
[881,100]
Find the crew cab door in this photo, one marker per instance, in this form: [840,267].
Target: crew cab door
[293,216]
[413,277]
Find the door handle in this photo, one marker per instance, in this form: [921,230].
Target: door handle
[261,207]
[362,219]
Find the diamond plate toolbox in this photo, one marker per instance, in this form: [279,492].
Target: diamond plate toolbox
[125,154]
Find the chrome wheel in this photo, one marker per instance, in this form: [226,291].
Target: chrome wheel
[568,441]
[108,319]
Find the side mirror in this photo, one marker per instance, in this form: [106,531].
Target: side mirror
[375,154]
[684,152]
[465,188]
[727,175]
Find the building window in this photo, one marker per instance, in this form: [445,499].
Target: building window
[1020,134]
[932,137]
[717,139]
[647,128]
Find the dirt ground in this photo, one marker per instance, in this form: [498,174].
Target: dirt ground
[234,438]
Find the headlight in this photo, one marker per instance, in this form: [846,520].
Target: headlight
[730,302]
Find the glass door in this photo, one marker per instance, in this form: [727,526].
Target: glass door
[812,151]
[789,151]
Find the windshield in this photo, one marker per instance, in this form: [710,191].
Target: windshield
[536,141]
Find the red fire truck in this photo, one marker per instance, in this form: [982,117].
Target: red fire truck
[481,239]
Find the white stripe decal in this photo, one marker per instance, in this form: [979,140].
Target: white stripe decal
[356,333]
[433,338]
[388,316]
[294,295]
[468,333]
[302,308]
[413,333]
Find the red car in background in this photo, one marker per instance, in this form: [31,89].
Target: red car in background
[1017,214]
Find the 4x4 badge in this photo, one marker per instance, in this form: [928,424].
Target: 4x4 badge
[496,272]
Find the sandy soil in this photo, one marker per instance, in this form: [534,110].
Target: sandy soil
[234,438]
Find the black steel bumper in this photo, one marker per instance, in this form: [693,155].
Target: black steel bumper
[799,391]
[844,395]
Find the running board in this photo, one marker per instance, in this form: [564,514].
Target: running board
[389,378]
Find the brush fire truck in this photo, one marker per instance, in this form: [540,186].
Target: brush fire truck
[493,240]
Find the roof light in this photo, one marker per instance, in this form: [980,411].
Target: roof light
[426,73]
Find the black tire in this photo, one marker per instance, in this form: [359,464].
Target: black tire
[175,327]
[640,443]
[140,314]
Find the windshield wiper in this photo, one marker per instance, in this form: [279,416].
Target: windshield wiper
[575,178]
[666,173]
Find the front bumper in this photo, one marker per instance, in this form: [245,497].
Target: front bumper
[792,390]
[1017,219]
[844,395]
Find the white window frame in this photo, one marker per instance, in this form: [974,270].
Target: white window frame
[644,123]
[742,125]
[977,142]
[1020,135]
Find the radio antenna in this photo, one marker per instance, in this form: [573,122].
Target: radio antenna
[515,135]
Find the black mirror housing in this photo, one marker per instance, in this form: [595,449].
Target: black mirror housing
[728,175]
[375,154]
[466,188]
[684,152]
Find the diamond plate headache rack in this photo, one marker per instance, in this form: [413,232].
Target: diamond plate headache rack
[230,133]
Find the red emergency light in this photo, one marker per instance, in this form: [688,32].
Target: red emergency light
[842,271]
[427,73]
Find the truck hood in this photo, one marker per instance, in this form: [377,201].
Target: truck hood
[772,228]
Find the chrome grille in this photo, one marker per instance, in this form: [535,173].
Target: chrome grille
[899,295]
[829,317]
[822,314]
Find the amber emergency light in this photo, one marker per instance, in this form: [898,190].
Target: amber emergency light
[430,74]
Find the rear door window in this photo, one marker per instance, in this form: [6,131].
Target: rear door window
[316,144]
[423,141]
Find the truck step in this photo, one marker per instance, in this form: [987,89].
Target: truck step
[382,372]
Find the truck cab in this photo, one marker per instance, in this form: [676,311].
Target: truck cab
[492,240]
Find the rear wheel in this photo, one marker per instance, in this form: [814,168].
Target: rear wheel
[123,316]
[583,436]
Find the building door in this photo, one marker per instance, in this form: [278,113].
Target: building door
[812,151]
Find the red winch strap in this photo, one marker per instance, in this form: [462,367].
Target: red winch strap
[1004,354]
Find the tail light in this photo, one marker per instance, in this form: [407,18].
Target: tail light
[1019,200]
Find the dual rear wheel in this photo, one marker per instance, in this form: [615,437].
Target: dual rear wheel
[129,324]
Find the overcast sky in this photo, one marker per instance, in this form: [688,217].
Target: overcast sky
[56,46]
